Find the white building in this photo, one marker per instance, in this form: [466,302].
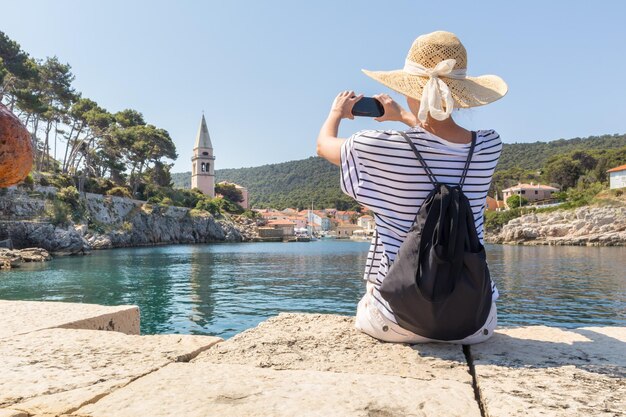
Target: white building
[366,222]
[617,177]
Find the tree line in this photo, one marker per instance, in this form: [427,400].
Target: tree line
[74,136]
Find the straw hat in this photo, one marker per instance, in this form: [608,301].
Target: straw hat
[434,73]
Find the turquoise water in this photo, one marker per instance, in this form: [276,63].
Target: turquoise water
[222,289]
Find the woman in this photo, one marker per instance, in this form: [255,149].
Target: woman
[380,171]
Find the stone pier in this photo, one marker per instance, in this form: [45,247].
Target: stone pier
[57,359]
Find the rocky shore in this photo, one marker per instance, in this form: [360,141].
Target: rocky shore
[585,226]
[110,222]
[14,258]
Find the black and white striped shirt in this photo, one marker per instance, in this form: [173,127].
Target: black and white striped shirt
[380,171]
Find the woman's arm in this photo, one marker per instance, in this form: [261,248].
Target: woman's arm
[328,144]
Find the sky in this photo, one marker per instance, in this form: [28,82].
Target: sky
[265,72]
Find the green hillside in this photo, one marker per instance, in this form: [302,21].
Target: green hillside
[289,184]
[314,180]
[534,155]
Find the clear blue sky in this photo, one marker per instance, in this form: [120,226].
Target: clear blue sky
[265,72]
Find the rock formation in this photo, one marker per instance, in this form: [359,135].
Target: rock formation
[12,258]
[585,226]
[109,222]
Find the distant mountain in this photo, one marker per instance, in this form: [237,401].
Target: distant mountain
[314,180]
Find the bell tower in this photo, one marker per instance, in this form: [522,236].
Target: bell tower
[203,162]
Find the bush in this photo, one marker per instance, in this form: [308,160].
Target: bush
[167,201]
[251,214]
[119,192]
[60,180]
[127,227]
[582,195]
[71,197]
[212,205]
[43,181]
[58,212]
[229,191]
[27,182]
[515,201]
[494,220]
[98,185]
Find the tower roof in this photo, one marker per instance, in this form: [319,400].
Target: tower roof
[203,140]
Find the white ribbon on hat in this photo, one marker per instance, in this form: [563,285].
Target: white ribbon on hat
[435,90]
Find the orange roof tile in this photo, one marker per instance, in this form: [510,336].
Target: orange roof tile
[530,187]
[616,169]
[281,223]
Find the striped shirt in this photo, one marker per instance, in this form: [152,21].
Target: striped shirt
[380,171]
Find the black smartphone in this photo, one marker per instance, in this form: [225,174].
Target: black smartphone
[368,107]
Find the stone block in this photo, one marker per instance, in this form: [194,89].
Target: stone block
[20,317]
[327,342]
[202,389]
[57,371]
[543,371]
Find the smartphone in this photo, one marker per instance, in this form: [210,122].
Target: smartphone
[368,107]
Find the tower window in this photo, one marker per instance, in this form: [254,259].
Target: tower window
[203,167]
[205,153]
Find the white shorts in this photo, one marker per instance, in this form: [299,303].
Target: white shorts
[371,321]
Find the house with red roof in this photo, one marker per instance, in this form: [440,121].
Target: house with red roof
[345,216]
[286,226]
[531,192]
[617,177]
[491,204]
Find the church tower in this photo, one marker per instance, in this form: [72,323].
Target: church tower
[203,161]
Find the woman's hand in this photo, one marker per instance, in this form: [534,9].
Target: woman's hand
[394,112]
[343,103]
[328,144]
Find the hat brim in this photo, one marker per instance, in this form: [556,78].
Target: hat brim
[467,92]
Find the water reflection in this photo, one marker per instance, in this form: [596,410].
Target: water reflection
[223,289]
[565,285]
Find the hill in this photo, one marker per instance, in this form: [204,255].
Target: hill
[533,156]
[288,184]
[299,183]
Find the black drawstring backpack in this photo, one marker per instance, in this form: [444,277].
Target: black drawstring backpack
[439,285]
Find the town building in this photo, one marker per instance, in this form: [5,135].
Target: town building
[244,193]
[345,216]
[617,177]
[286,226]
[531,192]
[203,162]
[346,229]
[366,222]
[491,204]
[319,221]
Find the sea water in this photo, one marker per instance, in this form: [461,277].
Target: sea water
[223,289]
